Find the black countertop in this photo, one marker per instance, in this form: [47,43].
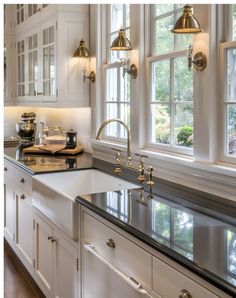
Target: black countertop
[44,163]
[204,244]
[195,229]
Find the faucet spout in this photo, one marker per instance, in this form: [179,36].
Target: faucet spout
[105,123]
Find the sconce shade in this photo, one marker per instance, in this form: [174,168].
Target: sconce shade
[187,23]
[82,51]
[121,42]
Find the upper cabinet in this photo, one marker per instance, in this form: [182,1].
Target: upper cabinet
[46,37]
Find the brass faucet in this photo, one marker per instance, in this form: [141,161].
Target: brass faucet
[104,124]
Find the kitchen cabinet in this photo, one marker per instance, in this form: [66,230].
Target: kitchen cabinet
[25,11]
[56,262]
[47,73]
[112,264]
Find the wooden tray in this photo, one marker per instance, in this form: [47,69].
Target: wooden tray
[53,149]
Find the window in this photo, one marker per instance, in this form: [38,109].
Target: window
[171,88]
[231,253]
[228,94]
[117,84]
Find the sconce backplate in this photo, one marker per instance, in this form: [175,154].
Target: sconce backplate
[199,61]
[133,71]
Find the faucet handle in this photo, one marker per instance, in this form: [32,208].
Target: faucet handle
[141,155]
[150,170]
[118,169]
[141,176]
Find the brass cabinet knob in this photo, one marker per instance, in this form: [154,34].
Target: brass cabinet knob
[53,240]
[22,180]
[5,169]
[49,237]
[110,242]
[22,197]
[184,294]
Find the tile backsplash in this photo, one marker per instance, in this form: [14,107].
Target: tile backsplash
[78,119]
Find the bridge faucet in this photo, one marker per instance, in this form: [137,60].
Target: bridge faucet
[104,124]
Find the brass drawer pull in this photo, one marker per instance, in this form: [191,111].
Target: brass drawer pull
[110,242]
[5,169]
[22,180]
[22,197]
[184,294]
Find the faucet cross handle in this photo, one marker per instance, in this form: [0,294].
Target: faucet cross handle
[141,176]
[118,169]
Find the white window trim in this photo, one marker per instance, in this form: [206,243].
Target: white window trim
[223,103]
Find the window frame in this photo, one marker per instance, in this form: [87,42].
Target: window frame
[168,148]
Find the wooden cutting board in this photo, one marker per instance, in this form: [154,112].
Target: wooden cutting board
[53,149]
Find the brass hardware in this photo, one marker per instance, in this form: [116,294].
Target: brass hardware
[5,169]
[91,77]
[118,169]
[83,52]
[187,23]
[150,170]
[132,71]
[22,180]
[110,242]
[141,176]
[22,197]
[105,123]
[53,240]
[121,42]
[184,294]
[49,237]
[199,61]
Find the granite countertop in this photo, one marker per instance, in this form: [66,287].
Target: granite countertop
[193,228]
[205,244]
[44,163]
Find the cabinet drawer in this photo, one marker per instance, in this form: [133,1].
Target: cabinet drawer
[168,282]
[23,181]
[126,256]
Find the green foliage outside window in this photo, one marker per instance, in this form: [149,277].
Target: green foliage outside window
[185,136]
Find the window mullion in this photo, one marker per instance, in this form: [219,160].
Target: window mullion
[172,104]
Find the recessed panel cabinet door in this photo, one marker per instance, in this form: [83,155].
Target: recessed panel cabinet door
[65,265]
[24,225]
[9,203]
[43,255]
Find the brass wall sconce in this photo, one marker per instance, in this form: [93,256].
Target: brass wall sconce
[121,43]
[83,53]
[188,24]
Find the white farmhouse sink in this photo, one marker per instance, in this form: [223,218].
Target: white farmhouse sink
[54,194]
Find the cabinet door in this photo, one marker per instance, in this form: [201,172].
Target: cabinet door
[48,75]
[20,50]
[65,265]
[24,225]
[9,204]
[20,13]
[33,64]
[43,255]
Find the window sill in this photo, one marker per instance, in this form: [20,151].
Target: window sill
[217,179]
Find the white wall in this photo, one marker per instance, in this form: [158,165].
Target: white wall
[78,119]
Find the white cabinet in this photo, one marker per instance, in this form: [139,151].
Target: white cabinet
[113,265]
[47,73]
[56,262]
[25,11]
[9,203]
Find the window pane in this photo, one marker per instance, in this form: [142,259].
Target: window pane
[164,38]
[231,129]
[183,80]
[124,86]
[111,112]
[111,85]
[160,123]
[234,21]
[231,74]
[125,117]
[161,80]
[183,125]
[163,8]
[116,17]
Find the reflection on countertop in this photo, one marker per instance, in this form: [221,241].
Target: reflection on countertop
[202,242]
[42,163]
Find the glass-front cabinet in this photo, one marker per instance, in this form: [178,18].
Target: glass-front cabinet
[25,11]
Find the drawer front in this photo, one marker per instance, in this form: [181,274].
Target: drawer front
[168,282]
[8,172]
[23,181]
[126,256]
